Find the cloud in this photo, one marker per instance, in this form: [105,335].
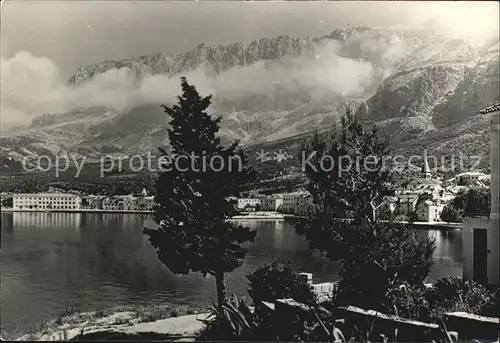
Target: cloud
[29,86]
[32,85]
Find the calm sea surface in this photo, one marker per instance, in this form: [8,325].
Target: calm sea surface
[92,261]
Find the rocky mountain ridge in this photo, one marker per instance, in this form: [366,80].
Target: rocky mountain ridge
[421,87]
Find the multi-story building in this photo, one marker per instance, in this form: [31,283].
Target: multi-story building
[46,201]
[248,202]
[429,211]
[403,204]
[128,203]
[146,203]
[118,203]
[114,203]
[470,178]
[272,202]
[95,201]
[304,204]
[297,203]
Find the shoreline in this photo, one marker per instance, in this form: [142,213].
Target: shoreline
[168,320]
[81,210]
[263,215]
[270,216]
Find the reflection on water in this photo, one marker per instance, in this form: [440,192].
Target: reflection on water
[448,253]
[46,220]
[52,260]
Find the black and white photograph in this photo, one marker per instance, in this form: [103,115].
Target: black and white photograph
[298,171]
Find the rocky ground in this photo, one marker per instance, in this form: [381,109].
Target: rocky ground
[148,323]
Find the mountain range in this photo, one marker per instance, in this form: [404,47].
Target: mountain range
[423,87]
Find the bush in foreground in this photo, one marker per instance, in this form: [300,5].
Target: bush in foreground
[455,294]
[278,281]
[451,294]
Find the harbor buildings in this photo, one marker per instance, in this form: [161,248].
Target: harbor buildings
[73,202]
[128,203]
[248,203]
[272,202]
[46,201]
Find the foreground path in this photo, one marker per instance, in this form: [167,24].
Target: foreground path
[121,326]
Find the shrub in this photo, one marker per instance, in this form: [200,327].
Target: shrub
[454,294]
[376,257]
[278,281]
[407,301]
[450,294]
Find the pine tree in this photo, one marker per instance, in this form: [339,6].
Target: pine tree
[347,222]
[193,193]
[347,172]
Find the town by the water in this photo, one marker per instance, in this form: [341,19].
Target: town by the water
[223,171]
[420,198]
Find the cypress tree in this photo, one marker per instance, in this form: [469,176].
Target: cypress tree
[193,191]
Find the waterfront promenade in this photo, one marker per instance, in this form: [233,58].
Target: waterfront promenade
[79,210]
[246,216]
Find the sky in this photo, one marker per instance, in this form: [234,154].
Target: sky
[75,33]
[44,42]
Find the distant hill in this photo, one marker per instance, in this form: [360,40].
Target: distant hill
[422,87]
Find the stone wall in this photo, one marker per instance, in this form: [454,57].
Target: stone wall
[466,326]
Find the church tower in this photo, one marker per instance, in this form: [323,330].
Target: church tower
[426,171]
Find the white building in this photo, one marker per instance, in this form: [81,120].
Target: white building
[113,203]
[146,203]
[403,204]
[248,202]
[94,201]
[429,211]
[297,203]
[470,178]
[46,201]
[128,203]
[120,203]
[272,202]
[304,204]
[481,256]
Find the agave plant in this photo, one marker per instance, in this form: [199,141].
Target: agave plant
[235,320]
[334,334]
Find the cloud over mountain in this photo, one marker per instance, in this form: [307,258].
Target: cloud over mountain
[32,85]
